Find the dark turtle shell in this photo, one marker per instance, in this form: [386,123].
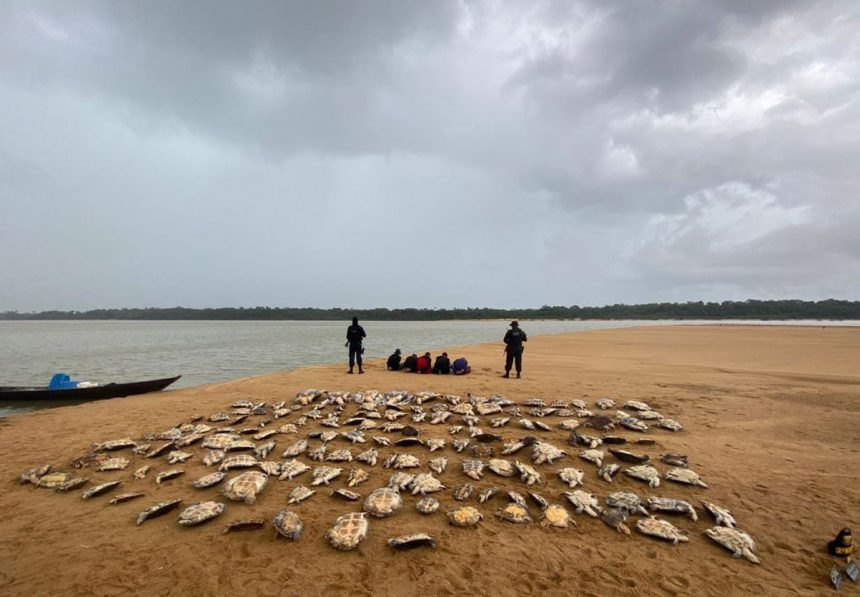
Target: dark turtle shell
[487,437]
[613,439]
[250,524]
[409,441]
[600,422]
[158,509]
[410,431]
[625,456]
[412,541]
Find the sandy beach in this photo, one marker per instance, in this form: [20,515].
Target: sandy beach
[771,424]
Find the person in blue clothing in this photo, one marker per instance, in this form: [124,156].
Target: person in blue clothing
[460,366]
[354,336]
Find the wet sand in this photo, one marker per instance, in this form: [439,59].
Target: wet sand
[771,417]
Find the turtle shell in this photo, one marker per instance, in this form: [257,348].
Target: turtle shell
[601,423]
[349,531]
[557,516]
[346,494]
[615,518]
[288,524]
[72,484]
[125,497]
[199,513]
[630,457]
[99,489]
[52,480]
[248,524]
[157,510]
[246,486]
[465,516]
[502,467]
[239,461]
[209,480]
[383,502]
[515,513]
[427,505]
[412,541]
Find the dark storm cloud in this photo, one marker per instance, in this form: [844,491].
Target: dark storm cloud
[427,153]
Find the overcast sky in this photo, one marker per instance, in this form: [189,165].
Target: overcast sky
[427,153]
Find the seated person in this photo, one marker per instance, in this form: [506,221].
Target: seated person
[424,364]
[460,366]
[442,365]
[410,364]
[394,361]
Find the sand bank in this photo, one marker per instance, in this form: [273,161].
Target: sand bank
[771,418]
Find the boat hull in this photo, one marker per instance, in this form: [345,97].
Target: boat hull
[112,390]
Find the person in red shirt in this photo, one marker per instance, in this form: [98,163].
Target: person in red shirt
[425,364]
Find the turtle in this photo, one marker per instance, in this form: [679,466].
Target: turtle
[571,476]
[649,415]
[99,489]
[356,436]
[463,492]
[517,498]
[485,438]
[330,421]
[455,429]
[240,445]
[125,497]
[545,452]
[140,473]
[584,413]
[737,542]
[615,518]
[557,516]
[292,468]
[324,474]
[201,512]
[608,471]
[438,465]
[487,493]
[487,408]
[245,524]
[114,444]
[670,425]
[600,422]
[626,500]
[188,440]
[412,541]
[406,442]
[527,424]
[496,422]
[406,461]
[594,456]
[514,513]
[501,467]
[722,516]
[661,504]
[209,480]
[426,483]
[346,494]
[115,464]
[427,505]
[674,459]
[528,473]
[481,451]
[157,510]
[52,479]
[348,531]
[300,494]
[318,453]
[288,429]
[238,461]
[464,516]
[273,469]
[400,480]
[368,456]
[604,403]
[263,450]
[614,440]
[569,424]
[213,457]
[410,431]
[684,475]
[633,424]
[155,452]
[473,469]
[141,449]
[629,457]
[434,444]
[219,441]
[327,436]
[460,444]
[343,455]
[288,524]
[167,475]
[644,441]
[246,486]
[357,476]
[637,405]
[539,500]
[218,417]
[584,502]
[383,502]
[580,439]
[663,529]
[72,484]
[295,449]
[439,417]
[509,448]
[644,472]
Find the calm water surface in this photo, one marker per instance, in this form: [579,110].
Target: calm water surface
[210,351]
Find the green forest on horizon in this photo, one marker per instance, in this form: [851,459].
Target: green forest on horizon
[749,309]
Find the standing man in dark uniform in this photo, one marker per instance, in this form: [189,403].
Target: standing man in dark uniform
[514,339]
[354,335]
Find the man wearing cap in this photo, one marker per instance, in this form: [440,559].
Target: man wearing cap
[514,339]
[394,361]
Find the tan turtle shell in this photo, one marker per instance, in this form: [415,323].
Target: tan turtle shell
[465,516]
[514,513]
[557,516]
[201,512]
[246,486]
[349,531]
[383,502]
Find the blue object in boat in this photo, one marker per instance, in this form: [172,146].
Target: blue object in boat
[61,381]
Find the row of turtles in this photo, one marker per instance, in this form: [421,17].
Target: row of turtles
[391,407]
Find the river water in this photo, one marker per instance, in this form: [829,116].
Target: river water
[210,351]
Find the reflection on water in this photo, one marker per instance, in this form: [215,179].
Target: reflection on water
[210,351]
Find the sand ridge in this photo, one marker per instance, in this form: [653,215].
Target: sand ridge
[771,423]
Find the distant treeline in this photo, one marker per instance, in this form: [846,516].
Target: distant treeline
[750,309]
